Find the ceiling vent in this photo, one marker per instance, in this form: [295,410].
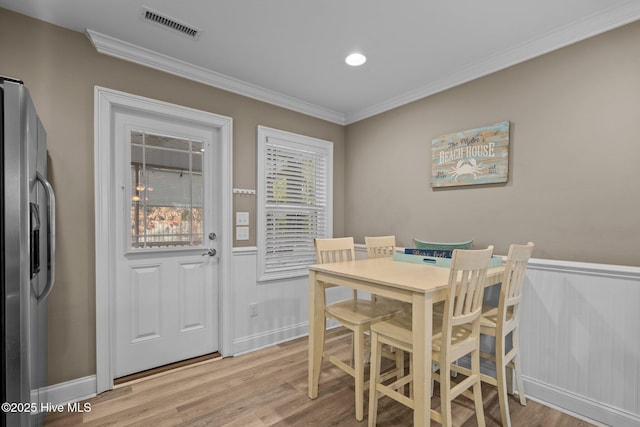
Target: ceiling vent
[170,23]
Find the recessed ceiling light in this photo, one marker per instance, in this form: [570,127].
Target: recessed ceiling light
[355,59]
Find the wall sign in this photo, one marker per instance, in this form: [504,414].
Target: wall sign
[470,157]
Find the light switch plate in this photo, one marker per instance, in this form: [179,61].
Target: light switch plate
[242,233]
[242,218]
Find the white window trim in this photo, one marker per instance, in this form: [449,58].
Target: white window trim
[301,141]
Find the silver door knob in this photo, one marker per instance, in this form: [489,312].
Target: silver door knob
[210,252]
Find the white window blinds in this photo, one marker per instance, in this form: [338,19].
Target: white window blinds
[294,201]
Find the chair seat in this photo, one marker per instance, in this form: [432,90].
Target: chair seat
[399,328]
[458,335]
[361,312]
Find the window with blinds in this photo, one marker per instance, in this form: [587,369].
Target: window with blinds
[294,201]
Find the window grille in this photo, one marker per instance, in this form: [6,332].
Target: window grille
[167,191]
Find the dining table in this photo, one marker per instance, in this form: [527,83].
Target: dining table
[420,284]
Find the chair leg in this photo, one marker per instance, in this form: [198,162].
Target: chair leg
[434,368]
[376,355]
[477,387]
[501,379]
[509,380]
[445,394]
[358,339]
[352,361]
[518,374]
[411,383]
[477,399]
[367,348]
[516,366]
[399,365]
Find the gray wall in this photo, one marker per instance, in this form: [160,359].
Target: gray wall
[574,159]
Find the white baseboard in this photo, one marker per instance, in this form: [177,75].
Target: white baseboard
[267,339]
[69,391]
[578,406]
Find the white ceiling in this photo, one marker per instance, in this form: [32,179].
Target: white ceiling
[291,52]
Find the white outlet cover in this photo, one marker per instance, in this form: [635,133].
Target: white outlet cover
[242,233]
[242,218]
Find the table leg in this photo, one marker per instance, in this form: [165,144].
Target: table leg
[316,332]
[422,323]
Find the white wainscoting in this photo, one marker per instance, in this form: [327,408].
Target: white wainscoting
[581,339]
[282,306]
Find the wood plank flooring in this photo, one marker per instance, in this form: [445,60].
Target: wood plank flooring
[269,387]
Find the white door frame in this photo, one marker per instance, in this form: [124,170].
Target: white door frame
[106,102]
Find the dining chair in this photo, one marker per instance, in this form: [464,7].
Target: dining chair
[383,247]
[380,246]
[454,335]
[355,314]
[442,246]
[501,321]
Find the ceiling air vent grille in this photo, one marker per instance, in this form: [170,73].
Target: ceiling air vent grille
[170,23]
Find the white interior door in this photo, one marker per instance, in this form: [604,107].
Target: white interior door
[166,220]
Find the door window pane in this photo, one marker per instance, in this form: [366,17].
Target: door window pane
[167,191]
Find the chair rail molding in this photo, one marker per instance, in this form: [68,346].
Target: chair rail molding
[589,269]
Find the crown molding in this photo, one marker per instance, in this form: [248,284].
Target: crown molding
[577,31]
[111,46]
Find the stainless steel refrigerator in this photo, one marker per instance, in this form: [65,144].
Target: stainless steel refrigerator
[27,262]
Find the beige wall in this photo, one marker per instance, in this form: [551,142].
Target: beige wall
[575,150]
[60,68]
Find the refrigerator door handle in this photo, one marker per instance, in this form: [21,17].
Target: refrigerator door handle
[51,236]
[34,236]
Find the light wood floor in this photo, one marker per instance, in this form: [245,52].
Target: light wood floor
[269,387]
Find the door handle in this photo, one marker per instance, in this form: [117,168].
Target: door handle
[51,236]
[210,252]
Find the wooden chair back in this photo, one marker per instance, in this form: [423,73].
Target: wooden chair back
[380,246]
[334,250]
[463,304]
[337,249]
[511,288]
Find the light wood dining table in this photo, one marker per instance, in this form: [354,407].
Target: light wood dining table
[421,285]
